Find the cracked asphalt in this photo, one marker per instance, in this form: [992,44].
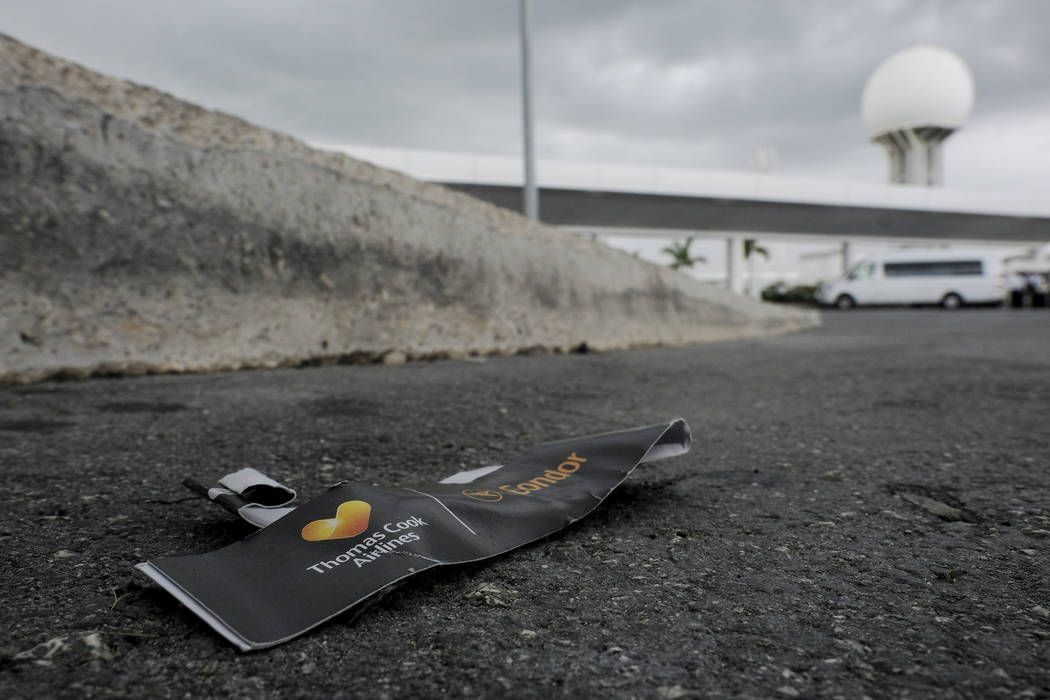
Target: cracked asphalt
[865,513]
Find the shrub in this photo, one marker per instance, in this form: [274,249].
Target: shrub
[799,294]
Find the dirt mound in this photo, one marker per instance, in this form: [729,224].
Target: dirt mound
[142,233]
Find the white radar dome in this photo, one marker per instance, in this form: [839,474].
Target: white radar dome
[919,86]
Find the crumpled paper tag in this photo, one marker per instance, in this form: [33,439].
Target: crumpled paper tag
[353,541]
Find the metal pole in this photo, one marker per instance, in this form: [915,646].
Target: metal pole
[532,202]
[730,264]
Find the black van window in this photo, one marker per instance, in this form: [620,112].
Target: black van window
[934,268]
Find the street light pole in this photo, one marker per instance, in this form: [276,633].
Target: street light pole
[532,202]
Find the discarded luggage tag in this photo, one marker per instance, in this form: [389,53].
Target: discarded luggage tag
[249,494]
[354,540]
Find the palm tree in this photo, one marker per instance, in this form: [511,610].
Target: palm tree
[752,248]
[679,252]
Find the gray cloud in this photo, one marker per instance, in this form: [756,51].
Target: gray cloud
[695,83]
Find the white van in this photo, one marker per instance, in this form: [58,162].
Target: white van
[950,278]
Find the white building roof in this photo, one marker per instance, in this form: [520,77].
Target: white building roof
[484,169]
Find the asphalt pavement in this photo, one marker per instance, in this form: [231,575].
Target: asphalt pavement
[865,512]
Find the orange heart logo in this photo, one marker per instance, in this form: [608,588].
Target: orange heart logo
[351,518]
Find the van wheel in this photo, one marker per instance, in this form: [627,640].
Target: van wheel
[845,302]
[951,301]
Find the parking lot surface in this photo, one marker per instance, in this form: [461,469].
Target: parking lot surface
[864,512]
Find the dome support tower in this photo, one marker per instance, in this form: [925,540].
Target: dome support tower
[915,155]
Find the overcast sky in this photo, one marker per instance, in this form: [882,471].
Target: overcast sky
[691,83]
